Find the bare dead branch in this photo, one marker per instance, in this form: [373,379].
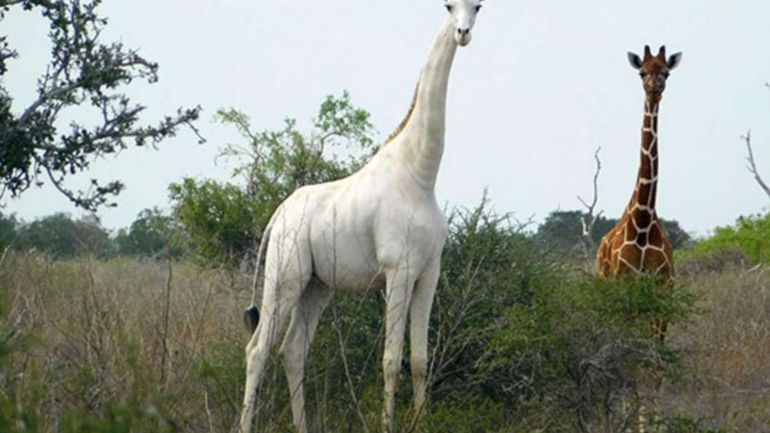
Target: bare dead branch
[752,166]
[590,216]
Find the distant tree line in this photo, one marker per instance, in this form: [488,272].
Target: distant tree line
[61,236]
[214,223]
[220,223]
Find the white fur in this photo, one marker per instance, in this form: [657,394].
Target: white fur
[378,228]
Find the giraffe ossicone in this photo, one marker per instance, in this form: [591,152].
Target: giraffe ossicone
[380,228]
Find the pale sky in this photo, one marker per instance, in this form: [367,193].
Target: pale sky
[542,84]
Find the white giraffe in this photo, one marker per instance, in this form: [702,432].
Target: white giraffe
[381,227]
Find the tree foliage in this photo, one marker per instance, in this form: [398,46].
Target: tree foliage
[85,79]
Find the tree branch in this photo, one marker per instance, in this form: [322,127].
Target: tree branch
[46,98]
[8,3]
[752,166]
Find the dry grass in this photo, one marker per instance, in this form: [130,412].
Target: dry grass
[126,333]
[726,380]
[169,341]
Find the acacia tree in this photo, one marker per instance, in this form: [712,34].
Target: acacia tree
[84,72]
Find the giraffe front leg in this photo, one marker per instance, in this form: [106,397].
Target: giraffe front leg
[419,317]
[398,293]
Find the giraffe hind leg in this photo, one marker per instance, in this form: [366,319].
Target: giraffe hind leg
[297,343]
[287,273]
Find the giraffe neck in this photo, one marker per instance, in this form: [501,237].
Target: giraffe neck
[645,195]
[421,141]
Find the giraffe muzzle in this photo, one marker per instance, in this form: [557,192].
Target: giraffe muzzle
[463,37]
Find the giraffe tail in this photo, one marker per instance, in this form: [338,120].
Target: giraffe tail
[251,314]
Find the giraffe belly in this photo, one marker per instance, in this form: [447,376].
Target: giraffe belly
[352,267]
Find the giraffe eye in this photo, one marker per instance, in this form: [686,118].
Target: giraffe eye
[478,8]
[643,74]
[448,7]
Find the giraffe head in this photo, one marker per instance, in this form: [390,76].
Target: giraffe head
[463,13]
[654,70]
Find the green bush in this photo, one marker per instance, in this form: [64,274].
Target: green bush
[582,354]
[489,265]
[750,237]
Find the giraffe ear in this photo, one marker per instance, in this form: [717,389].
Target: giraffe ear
[674,60]
[635,60]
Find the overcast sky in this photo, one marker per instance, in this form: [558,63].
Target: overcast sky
[540,87]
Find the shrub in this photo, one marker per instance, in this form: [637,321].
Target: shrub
[217,220]
[582,355]
[750,236]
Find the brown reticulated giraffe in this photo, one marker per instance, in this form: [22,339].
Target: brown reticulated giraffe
[638,244]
